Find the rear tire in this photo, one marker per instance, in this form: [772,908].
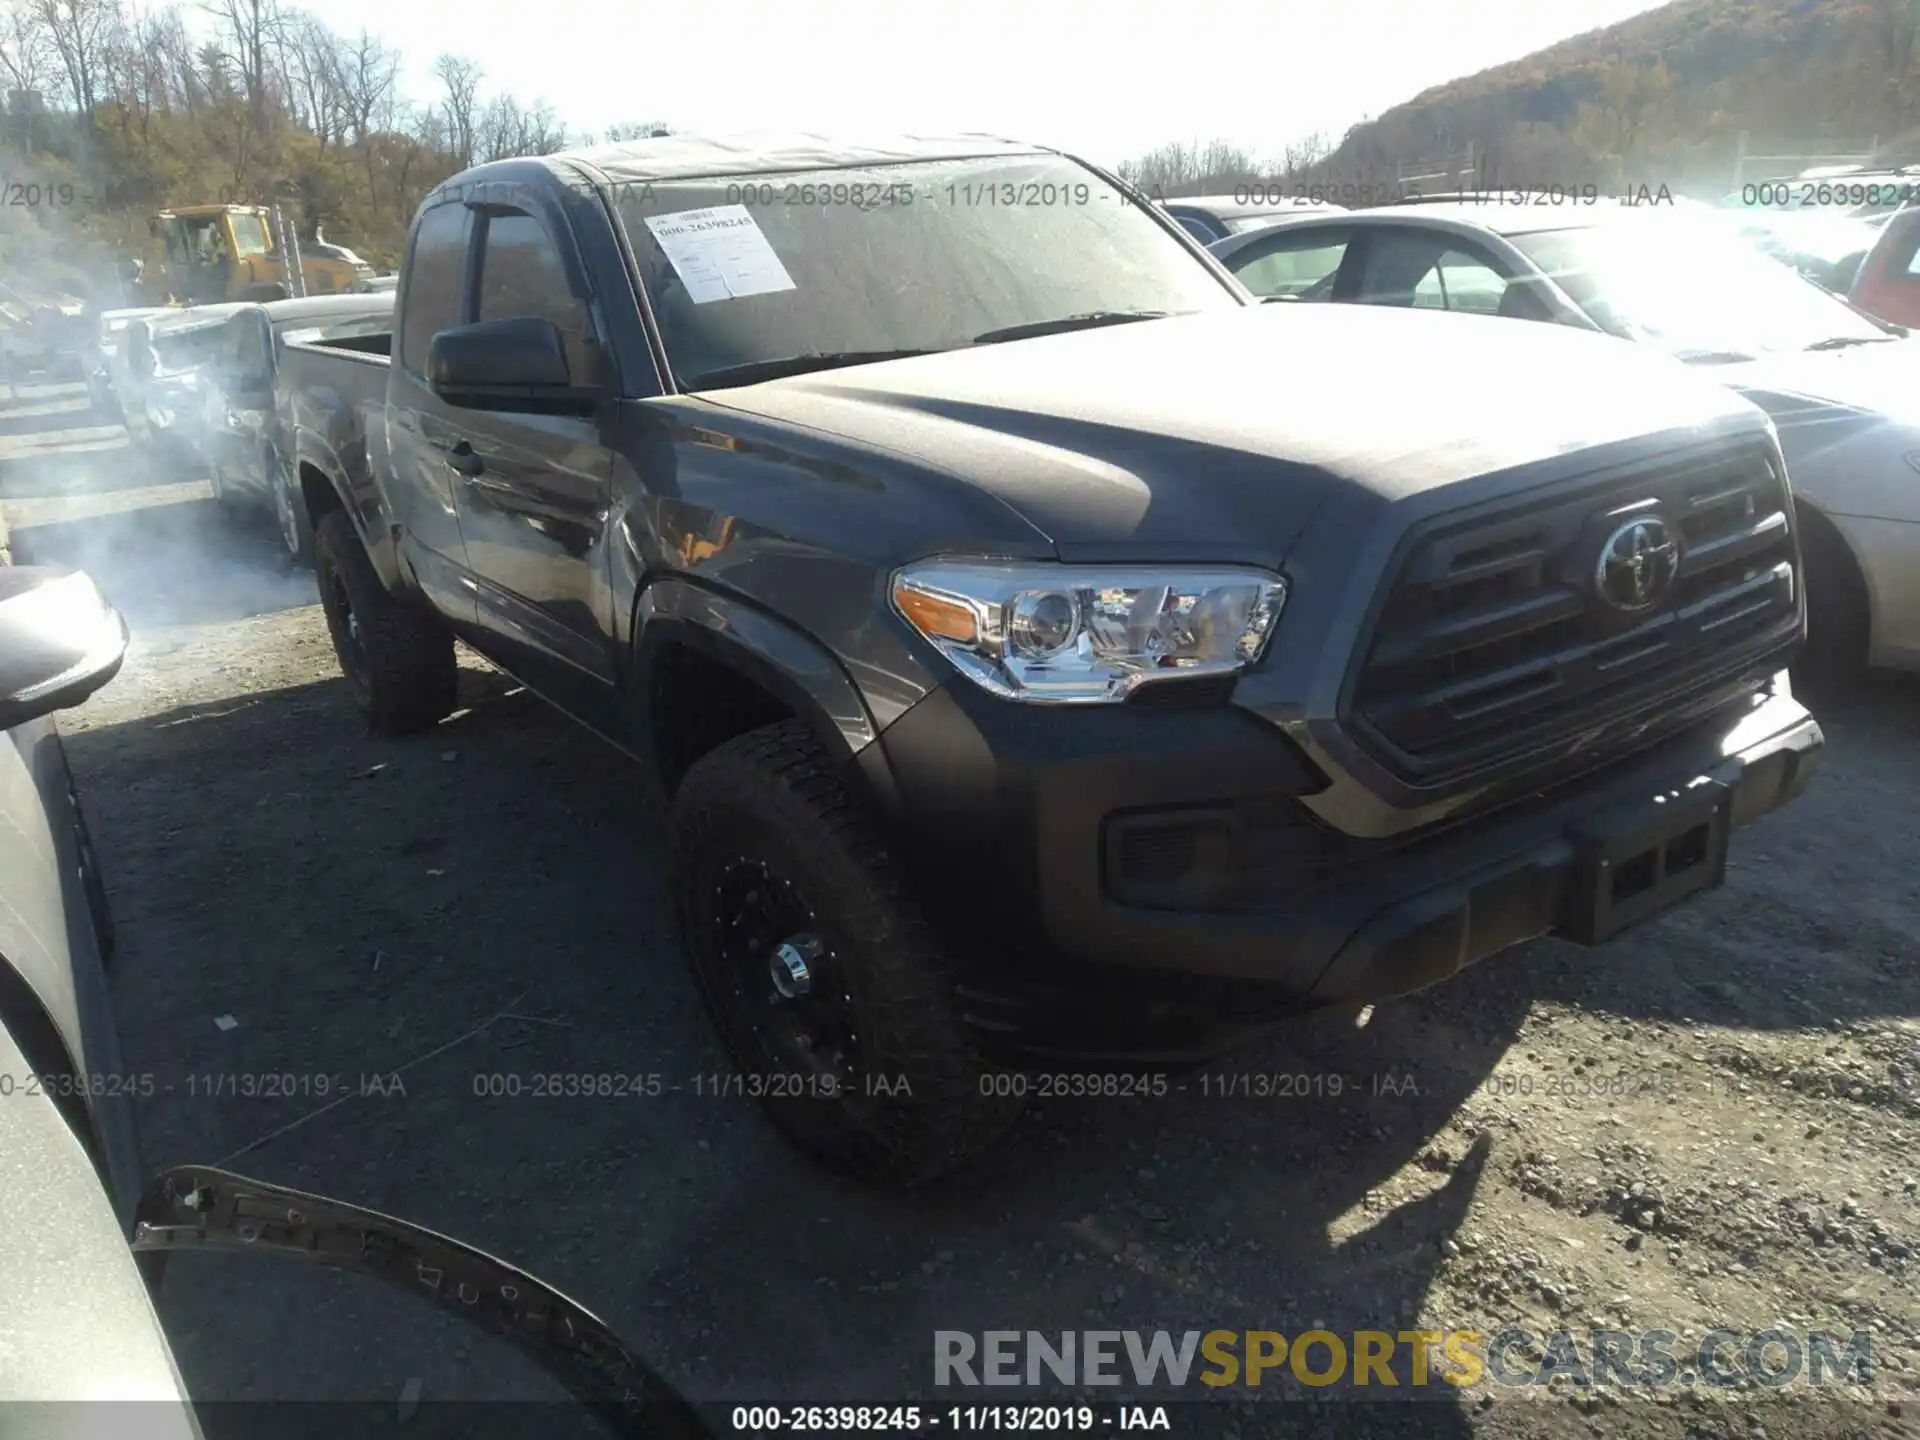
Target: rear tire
[1838,621]
[396,655]
[869,1068]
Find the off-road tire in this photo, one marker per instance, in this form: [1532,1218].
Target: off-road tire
[1837,615]
[771,796]
[400,668]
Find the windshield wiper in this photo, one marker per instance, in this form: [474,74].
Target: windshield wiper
[1067,322]
[753,371]
[1714,357]
[1845,342]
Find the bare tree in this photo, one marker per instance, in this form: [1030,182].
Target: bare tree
[26,56]
[1179,169]
[315,68]
[173,52]
[1302,155]
[496,132]
[368,73]
[462,79]
[545,132]
[252,30]
[81,33]
[507,128]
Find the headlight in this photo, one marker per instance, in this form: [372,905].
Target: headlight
[1083,634]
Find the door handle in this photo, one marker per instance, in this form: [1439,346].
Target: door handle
[465,459]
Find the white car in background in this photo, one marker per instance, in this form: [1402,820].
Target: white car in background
[1214,217]
[1843,388]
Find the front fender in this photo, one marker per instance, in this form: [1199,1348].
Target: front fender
[784,661]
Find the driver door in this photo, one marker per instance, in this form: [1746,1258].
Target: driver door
[533,490]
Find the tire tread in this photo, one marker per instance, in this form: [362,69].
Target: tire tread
[781,774]
[413,678]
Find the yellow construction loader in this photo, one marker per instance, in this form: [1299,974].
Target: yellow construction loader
[204,254]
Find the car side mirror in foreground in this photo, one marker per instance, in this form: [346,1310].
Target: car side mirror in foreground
[60,641]
[513,364]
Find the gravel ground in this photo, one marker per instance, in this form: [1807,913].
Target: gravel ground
[1709,1124]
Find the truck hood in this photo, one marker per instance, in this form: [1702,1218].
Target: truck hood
[1202,431]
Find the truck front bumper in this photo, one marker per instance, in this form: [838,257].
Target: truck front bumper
[1149,886]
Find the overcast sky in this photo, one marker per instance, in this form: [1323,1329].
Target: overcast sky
[1108,81]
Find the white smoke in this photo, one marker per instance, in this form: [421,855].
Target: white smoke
[77,493]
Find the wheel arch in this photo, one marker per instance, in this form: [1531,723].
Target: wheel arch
[322,490]
[1819,533]
[756,670]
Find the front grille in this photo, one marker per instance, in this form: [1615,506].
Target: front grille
[1495,641]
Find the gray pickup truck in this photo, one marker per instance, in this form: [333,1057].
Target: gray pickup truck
[1045,650]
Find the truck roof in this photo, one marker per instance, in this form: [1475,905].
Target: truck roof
[687,157]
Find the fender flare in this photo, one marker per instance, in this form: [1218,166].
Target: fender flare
[376,536]
[782,660]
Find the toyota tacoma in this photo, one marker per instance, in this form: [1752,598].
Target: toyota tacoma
[1041,648]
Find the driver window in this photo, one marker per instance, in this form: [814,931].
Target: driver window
[522,275]
[1293,265]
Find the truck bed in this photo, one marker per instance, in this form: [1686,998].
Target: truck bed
[328,393]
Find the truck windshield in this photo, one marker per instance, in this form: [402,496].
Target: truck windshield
[250,235]
[785,272]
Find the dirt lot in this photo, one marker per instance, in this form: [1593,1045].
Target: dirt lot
[1710,1124]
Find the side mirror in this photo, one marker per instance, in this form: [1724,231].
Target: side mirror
[60,641]
[516,364]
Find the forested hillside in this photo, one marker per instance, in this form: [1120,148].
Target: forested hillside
[114,110]
[1661,99]
[1665,96]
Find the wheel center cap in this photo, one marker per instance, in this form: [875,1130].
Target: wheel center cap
[792,966]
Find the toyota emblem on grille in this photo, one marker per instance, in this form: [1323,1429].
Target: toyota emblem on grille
[1637,563]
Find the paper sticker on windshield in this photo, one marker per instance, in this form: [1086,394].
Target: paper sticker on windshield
[720,253]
